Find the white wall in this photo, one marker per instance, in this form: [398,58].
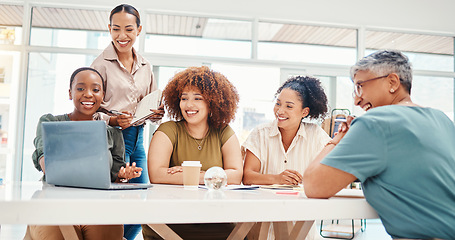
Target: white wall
[411,15]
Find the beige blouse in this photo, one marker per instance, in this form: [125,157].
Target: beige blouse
[123,89]
[265,143]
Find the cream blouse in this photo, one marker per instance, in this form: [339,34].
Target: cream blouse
[123,89]
[265,143]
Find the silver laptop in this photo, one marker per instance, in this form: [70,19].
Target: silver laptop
[76,154]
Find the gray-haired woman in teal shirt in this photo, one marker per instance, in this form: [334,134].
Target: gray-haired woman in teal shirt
[403,153]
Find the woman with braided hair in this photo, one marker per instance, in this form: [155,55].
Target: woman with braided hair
[279,152]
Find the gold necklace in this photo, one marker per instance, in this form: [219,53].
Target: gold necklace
[199,145]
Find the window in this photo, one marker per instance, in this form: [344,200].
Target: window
[198,36]
[257,87]
[11,24]
[435,92]
[426,52]
[71,28]
[9,75]
[305,43]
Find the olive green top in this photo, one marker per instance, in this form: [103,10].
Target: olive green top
[114,140]
[185,147]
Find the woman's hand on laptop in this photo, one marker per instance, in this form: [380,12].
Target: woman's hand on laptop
[128,172]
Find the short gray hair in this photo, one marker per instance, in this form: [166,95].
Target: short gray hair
[384,62]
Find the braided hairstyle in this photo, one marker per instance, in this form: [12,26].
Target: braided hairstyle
[310,92]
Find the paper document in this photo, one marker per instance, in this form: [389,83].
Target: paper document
[282,187]
[353,193]
[235,187]
[150,101]
[242,187]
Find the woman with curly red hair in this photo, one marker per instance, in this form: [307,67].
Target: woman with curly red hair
[202,102]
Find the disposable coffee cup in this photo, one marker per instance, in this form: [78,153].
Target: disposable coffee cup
[191,171]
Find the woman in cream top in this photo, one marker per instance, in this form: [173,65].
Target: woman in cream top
[278,152]
[266,142]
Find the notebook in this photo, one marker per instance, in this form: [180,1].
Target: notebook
[150,101]
[76,154]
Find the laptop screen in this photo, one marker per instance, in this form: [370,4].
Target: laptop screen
[76,153]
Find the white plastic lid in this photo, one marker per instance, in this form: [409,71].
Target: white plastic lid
[192,163]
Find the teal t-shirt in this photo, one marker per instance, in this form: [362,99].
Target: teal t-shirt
[405,159]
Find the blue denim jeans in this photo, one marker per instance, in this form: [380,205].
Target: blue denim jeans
[135,152]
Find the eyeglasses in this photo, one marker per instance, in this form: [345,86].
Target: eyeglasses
[358,87]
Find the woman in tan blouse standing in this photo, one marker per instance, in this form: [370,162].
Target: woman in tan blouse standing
[128,78]
[203,102]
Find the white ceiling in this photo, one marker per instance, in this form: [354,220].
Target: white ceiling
[343,16]
[434,15]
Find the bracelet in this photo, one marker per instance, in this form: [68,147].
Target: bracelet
[330,143]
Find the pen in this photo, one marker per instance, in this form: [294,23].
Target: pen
[117,112]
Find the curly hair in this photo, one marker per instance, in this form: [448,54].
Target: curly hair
[310,92]
[220,94]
